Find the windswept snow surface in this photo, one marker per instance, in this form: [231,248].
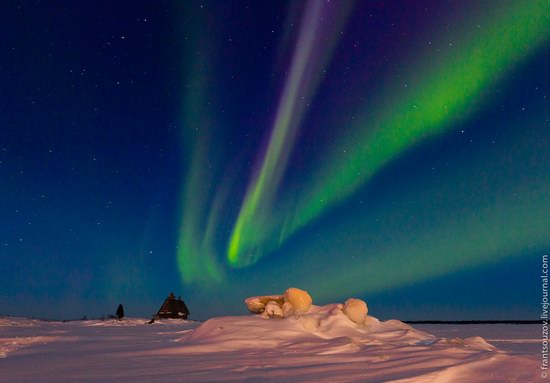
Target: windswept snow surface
[321,345]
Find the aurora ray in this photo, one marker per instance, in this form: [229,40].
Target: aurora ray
[319,27]
[196,258]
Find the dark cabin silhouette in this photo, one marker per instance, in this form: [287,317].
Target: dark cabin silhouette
[173,308]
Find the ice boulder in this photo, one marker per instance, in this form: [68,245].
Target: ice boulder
[299,299]
[356,310]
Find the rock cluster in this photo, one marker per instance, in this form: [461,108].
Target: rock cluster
[293,302]
[256,305]
[297,302]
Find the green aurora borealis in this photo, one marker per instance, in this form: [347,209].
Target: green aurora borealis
[396,152]
[447,83]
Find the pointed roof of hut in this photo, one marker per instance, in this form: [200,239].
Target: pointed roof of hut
[173,308]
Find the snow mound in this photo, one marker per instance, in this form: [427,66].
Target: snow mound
[474,343]
[323,329]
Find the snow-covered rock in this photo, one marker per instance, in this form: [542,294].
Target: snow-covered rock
[273,310]
[299,299]
[356,310]
[294,302]
[257,304]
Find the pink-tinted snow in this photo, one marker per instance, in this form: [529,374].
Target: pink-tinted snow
[321,345]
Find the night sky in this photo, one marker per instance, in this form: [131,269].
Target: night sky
[397,152]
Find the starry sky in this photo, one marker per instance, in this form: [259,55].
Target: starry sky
[396,152]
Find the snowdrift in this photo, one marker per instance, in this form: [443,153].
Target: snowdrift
[327,329]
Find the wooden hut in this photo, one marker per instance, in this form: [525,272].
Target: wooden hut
[173,308]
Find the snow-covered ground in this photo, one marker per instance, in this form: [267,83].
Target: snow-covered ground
[321,345]
[515,338]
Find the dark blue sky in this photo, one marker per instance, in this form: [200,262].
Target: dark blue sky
[122,122]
